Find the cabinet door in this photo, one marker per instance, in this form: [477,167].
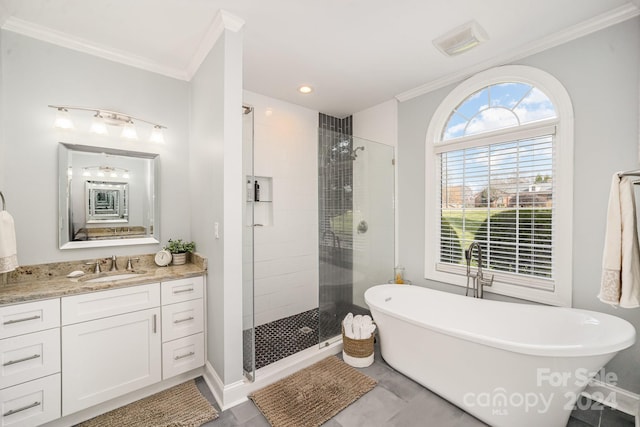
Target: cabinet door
[109,357]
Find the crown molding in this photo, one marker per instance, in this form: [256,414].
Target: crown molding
[222,21]
[602,21]
[59,38]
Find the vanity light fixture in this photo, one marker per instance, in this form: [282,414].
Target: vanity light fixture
[63,118]
[102,118]
[105,171]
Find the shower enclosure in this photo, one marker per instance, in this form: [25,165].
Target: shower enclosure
[319,231]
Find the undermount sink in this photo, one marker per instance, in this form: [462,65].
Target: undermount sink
[113,277]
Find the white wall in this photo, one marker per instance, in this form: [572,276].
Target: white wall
[215,169]
[600,72]
[378,123]
[286,252]
[35,74]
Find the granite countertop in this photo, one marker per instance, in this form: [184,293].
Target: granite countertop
[43,281]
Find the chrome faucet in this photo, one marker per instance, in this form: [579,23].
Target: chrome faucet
[96,264]
[114,264]
[479,281]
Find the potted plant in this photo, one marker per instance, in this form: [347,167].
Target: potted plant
[179,250]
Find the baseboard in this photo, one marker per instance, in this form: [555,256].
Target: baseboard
[221,392]
[623,400]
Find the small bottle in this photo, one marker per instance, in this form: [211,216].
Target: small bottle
[249,191]
[256,191]
[398,276]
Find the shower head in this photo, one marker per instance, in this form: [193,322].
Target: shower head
[354,155]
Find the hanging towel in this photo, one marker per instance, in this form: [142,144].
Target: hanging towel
[8,253]
[621,258]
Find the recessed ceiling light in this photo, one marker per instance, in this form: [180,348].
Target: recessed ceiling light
[305,89]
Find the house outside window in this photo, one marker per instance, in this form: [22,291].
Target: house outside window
[499,168]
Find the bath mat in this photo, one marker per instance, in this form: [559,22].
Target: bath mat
[313,395]
[179,406]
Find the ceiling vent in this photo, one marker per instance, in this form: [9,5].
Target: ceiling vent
[461,39]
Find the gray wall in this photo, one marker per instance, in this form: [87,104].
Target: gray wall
[601,73]
[35,74]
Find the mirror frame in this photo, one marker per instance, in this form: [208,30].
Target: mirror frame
[64,198]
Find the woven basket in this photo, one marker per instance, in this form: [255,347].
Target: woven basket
[357,348]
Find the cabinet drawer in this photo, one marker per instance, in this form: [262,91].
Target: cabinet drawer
[32,403]
[96,305]
[182,355]
[27,357]
[29,317]
[182,290]
[182,319]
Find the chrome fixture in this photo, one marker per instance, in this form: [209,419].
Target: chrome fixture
[97,268]
[102,118]
[129,265]
[114,263]
[479,280]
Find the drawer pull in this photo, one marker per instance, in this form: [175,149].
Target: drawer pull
[26,319]
[24,408]
[191,353]
[184,320]
[24,359]
[181,291]
[155,323]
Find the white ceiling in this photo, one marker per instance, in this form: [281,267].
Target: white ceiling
[355,53]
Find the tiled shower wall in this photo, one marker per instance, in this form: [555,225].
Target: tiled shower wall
[285,250]
[335,204]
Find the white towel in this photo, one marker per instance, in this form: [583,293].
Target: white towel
[8,252]
[621,258]
[357,327]
[347,323]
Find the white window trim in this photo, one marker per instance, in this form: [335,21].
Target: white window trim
[563,183]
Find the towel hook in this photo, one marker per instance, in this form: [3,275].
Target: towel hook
[4,204]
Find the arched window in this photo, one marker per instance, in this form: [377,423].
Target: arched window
[499,172]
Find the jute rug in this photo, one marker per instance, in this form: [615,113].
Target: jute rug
[179,406]
[313,395]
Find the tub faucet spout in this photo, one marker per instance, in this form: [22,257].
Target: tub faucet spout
[479,279]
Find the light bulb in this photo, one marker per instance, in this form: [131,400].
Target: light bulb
[129,131]
[98,126]
[157,135]
[63,119]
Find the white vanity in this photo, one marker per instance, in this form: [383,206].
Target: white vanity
[91,351]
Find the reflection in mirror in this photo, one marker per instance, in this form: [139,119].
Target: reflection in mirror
[108,197]
[106,201]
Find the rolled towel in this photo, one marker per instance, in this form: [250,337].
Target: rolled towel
[347,324]
[357,327]
[8,252]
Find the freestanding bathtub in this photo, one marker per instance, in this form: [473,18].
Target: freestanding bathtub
[508,364]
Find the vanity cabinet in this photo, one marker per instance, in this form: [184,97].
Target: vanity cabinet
[111,344]
[30,363]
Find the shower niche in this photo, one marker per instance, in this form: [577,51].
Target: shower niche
[259,192]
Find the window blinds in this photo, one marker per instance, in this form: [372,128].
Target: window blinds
[500,194]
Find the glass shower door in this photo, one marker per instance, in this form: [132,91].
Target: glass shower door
[356,225]
[248,324]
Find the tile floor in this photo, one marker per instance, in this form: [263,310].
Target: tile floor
[397,401]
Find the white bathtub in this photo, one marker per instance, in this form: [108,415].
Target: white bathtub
[507,364]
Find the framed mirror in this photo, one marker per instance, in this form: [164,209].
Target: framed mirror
[107,197]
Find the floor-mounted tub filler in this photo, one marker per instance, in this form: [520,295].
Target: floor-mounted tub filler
[508,364]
